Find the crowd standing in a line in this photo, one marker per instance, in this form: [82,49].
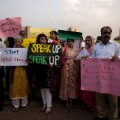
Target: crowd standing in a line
[63,82]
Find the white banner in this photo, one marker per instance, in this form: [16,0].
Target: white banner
[13,56]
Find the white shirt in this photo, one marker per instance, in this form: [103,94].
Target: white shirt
[2,45]
[50,40]
[106,51]
[82,53]
[83,44]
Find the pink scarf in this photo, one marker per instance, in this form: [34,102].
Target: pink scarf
[92,45]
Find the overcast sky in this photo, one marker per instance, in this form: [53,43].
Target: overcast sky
[87,15]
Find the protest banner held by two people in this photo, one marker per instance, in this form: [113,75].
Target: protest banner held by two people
[100,75]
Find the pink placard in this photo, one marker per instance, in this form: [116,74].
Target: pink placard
[10,27]
[100,75]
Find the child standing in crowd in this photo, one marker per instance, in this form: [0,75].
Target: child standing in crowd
[54,39]
[68,86]
[19,85]
[43,79]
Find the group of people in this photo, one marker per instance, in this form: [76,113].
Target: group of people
[67,77]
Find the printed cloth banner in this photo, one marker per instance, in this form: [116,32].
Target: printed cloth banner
[13,56]
[10,27]
[45,54]
[100,75]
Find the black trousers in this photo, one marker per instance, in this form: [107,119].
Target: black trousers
[1,88]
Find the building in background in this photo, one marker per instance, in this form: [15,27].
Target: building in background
[73,28]
[33,32]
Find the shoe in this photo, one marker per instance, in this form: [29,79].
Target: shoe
[48,111]
[68,106]
[15,109]
[24,107]
[98,118]
[71,106]
[43,109]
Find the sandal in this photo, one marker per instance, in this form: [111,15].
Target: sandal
[15,109]
[47,111]
[43,109]
[71,105]
[68,106]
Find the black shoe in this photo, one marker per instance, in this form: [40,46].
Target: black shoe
[98,118]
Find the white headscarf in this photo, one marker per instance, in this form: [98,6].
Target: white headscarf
[18,37]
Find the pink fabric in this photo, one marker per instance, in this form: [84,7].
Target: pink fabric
[88,97]
[66,48]
[10,27]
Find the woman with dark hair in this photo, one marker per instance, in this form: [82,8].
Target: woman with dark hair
[41,36]
[42,76]
[68,86]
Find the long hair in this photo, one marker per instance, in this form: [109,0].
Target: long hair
[55,32]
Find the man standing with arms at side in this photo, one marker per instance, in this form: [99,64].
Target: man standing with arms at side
[2,45]
[106,49]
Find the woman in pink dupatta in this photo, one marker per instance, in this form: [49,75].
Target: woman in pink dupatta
[68,86]
[87,97]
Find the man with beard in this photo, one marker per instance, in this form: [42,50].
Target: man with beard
[106,49]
